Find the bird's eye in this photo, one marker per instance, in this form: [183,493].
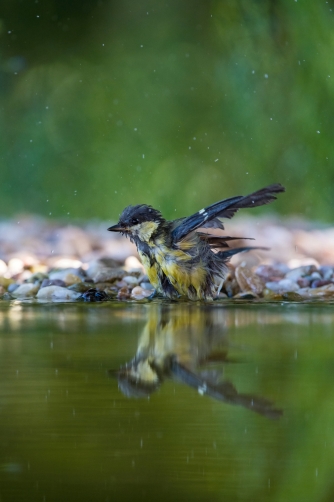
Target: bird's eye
[134,221]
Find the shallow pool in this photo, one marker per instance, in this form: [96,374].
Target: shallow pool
[166,401]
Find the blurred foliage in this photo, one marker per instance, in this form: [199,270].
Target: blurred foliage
[176,104]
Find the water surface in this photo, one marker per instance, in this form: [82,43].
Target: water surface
[111,400]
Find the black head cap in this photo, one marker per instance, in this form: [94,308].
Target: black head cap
[133,215]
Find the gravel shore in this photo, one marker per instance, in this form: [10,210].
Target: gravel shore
[50,261]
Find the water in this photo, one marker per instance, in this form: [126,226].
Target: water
[110,402]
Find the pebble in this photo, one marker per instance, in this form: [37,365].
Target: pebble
[67,276]
[12,287]
[5,282]
[282,285]
[139,293]
[57,293]
[72,263]
[246,295]
[248,281]
[147,285]
[94,295]
[327,290]
[25,291]
[124,293]
[298,272]
[319,283]
[230,286]
[130,279]
[54,282]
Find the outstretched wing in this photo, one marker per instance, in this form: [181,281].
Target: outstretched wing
[224,209]
[218,242]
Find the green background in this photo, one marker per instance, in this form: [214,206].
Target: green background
[176,104]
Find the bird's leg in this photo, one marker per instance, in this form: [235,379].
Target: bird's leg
[220,288]
[153,295]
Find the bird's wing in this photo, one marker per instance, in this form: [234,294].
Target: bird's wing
[224,209]
[219,242]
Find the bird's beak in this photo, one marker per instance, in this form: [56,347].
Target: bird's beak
[116,228]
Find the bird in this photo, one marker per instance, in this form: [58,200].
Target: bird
[180,259]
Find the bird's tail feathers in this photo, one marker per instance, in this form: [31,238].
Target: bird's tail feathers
[225,255]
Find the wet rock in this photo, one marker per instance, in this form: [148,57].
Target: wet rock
[12,287]
[37,278]
[121,284]
[6,282]
[292,296]
[130,279]
[320,283]
[147,285]
[282,285]
[316,276]
[271,295]
[7,296]
[69,276]
[323,291]
[303,283]
[124,293]
[299,272]
[108,275]
[326,272]
[230,286]
[246,295]
[111,291]
[81,287]
[248,281]
[271,271]
[55,293]
[25,291]
[105,271]
[139,293]
[55,282]
[94,295]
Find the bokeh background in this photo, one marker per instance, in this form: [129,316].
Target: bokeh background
[177,104]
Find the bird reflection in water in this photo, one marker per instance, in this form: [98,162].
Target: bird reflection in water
[178,342]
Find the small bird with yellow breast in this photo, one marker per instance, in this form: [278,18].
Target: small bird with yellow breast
[179,259]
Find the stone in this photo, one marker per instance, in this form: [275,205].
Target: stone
[139,293]
[108,275]
[245,295]
[248,281]
[25,291]
[327,290]
[81,287]
[123,293]
[231,286]
[320,283]
[270,271]
[38,277]
[299,272]
[282,285]
[130,279]
[69,276]
[148,285]
[12,287]
[55,282]
[55,293]
[6,282]
[94,295]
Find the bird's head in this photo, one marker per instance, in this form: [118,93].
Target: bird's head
[138,222]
